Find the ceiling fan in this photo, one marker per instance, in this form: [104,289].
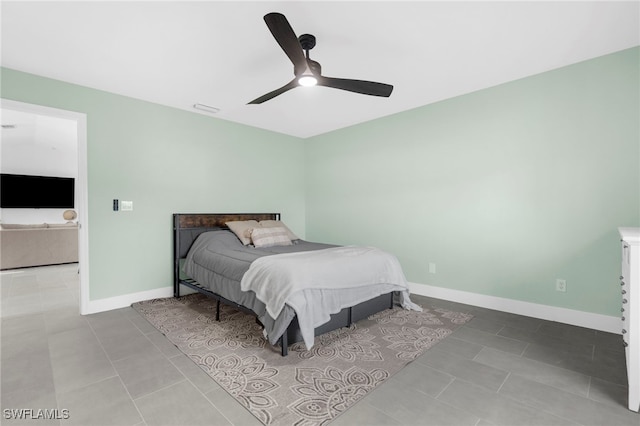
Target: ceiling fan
[308,72]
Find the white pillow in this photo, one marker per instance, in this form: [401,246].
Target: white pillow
[269,237]
[278,224]
[242,229]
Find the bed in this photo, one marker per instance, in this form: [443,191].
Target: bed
[214,260]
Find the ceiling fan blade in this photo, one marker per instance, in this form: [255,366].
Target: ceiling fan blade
[358,86]
[286,38]
[290,85]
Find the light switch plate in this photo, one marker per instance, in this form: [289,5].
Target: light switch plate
[126,206]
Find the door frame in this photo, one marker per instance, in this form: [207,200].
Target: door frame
[81,187]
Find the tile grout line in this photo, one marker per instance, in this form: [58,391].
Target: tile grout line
[453,379]
[509,373]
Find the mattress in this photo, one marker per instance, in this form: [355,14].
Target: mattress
[218,261]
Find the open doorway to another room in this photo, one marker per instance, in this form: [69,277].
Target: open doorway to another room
[45,145]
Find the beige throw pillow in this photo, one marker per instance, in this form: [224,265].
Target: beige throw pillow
[269,237]
[242,229]
[278,224]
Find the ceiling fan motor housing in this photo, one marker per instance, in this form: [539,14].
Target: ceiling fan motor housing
[307,41]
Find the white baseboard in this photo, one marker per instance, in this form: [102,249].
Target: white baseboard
[110,303]
[599,322]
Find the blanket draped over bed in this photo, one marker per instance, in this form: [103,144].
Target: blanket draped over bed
[319,283]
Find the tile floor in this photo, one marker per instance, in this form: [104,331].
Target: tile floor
[114,368]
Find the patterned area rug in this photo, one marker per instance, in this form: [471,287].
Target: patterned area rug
[306,387]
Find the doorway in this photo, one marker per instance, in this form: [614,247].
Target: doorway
[81,200]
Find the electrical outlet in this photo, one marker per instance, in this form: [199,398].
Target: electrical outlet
[561,285]
[432,268]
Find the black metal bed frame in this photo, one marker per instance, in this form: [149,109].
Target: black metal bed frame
[188,226]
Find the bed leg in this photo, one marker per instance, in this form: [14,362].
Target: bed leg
[284,341]
[218,310]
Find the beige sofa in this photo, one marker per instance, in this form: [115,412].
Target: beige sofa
[36,245]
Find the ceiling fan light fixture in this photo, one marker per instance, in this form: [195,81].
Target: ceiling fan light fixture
[307,80]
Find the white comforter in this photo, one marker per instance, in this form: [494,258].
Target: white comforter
[319,283]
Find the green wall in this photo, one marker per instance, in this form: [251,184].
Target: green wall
[505,189]
[166,161]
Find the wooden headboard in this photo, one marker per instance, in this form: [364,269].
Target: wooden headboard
[217,220]
[187,227]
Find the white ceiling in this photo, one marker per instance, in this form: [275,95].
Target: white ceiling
[38,144]
[221,53]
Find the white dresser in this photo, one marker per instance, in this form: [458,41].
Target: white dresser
[630,282]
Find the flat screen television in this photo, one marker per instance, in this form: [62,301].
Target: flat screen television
[36,192]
